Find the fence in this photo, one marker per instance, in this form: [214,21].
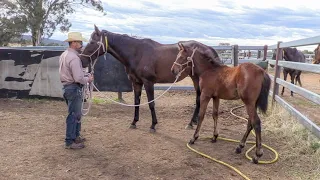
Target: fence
[299,90]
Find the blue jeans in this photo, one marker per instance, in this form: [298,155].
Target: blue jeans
[73,96]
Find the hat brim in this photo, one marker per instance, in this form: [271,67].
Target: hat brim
[70,40]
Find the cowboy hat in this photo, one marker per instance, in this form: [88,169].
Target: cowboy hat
[75,36]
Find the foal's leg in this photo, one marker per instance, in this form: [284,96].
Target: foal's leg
[246,134]
[149,87]
[257,128]
[285,74]
[204,100]
[253,122]
[215,118]
[137,94]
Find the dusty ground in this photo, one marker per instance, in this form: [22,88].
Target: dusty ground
[32,138]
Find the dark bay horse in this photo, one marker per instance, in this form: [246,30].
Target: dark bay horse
[146,62]
[247,82]
[291,54]
[316,59]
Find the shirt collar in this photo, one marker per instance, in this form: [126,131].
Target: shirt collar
[73,50]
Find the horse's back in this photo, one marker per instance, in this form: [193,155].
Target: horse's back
[302,57]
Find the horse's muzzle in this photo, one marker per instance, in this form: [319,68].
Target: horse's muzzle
[174,71]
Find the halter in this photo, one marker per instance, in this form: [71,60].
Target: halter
[88,88]
[189,59]
[100,43]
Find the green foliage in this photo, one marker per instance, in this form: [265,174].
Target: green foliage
[307,52]
[315,146]
[11,28]
[42,17]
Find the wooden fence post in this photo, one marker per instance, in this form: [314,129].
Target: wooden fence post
[277,72]
[265,52]
[120,99]
[235,57]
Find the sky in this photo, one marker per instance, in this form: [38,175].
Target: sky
[245,22]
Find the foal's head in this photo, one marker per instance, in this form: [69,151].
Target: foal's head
[184,58]
[316,59]
[96,47]
[191,53]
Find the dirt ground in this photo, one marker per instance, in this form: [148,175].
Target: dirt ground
[32,142]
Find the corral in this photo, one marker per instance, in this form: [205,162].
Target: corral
[32,132]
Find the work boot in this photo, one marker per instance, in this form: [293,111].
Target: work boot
[79,139]
[75,146]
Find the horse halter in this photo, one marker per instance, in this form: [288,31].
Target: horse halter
[189,59]
[100,43]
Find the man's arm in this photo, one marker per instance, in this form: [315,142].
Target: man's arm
[77,73]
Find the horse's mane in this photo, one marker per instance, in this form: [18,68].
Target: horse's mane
[216,59]
[212,57]
[294,55]
[130,38]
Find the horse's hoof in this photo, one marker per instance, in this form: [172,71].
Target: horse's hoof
[255,160]
[133,126]
[195,122]
[191,141]
[214,139]
[152,130]
[189,126]
[238,150]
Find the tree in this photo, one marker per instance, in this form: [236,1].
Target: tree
[42,17]
[224,44]
[307,52]
[11,28]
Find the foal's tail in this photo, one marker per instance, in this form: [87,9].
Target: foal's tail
[262,102]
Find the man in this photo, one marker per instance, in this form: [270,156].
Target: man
[72,78]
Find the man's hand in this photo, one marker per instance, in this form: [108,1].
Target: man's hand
[91,78]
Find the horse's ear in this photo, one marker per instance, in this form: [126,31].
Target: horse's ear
[181,47]
[97,30]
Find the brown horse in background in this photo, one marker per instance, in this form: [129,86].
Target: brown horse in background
[146,62]
[316,59]
[247,82]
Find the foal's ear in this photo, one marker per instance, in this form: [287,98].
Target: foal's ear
[181,47]
[97,30]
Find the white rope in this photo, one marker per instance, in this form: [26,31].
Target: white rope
[86,96]
[131,105]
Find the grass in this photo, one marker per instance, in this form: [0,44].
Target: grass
[300,147]
[96,100]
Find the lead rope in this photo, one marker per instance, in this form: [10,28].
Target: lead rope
[88,87]
[132,105]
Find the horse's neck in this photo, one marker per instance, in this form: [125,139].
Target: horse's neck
[204,65]
[125,47]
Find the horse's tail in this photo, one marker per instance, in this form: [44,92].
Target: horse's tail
[262,102]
